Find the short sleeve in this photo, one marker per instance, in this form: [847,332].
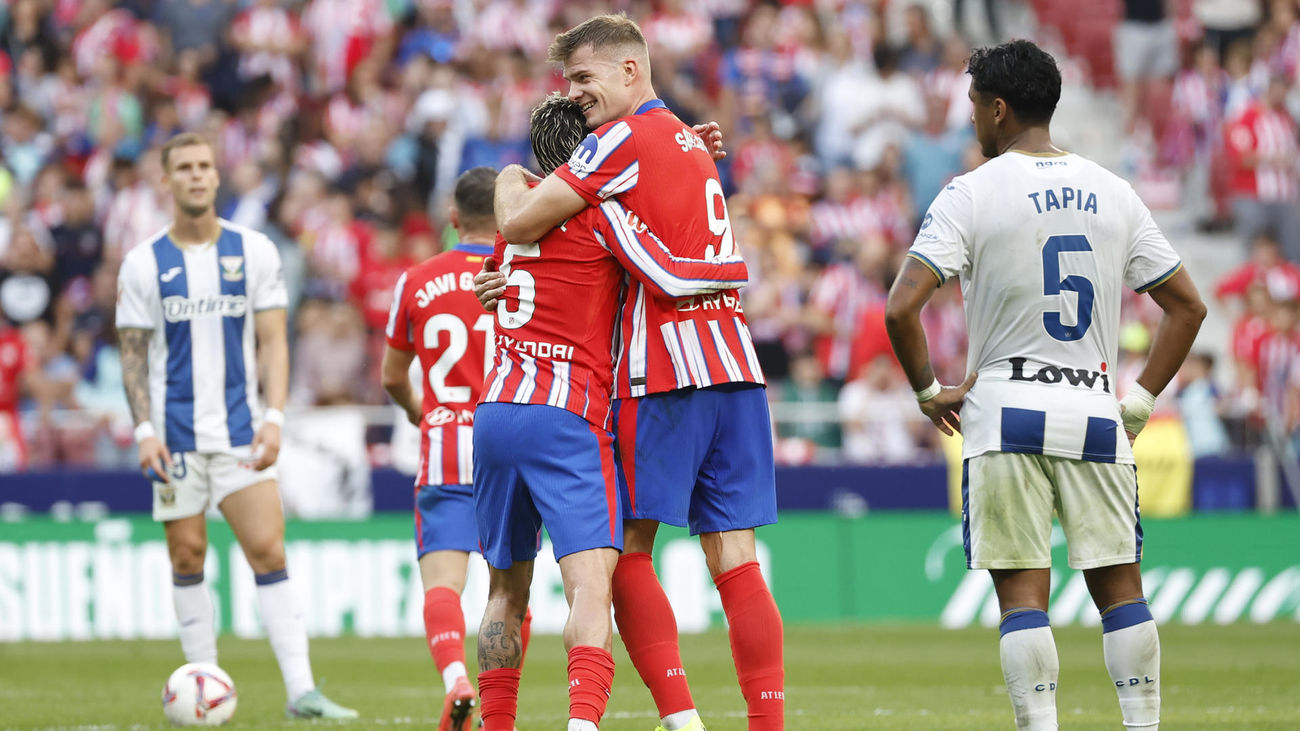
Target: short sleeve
[398,331]
[137,293]
[943,243]
[604,165]
[1151,259]
[269,291]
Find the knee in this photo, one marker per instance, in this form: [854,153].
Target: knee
[454,583]
[187,555]
[265,554]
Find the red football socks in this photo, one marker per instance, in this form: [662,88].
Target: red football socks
[591,674]
[756,644]
[498,696]
[649,631]
[444,626]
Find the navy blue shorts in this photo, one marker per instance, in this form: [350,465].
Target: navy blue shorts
[540,465]
[697,457]
[444,519]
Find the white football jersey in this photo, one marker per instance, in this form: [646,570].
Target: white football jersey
[1042,245]
[199,302]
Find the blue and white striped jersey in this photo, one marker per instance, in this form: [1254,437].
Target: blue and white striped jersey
[199,302]
[1043,246]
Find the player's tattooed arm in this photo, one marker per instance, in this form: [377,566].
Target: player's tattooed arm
[498,648]
[133,342]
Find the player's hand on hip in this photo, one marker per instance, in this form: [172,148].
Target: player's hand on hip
[711,133]
[266,446]
[489,285]
[945,408]
[155,459]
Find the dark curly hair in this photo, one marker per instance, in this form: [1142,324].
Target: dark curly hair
[556,127]
[1021,74]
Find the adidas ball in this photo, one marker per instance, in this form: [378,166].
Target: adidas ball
[199,694]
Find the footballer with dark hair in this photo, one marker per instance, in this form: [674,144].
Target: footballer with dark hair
[1044,242]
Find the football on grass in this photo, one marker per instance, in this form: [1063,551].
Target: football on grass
[199,694]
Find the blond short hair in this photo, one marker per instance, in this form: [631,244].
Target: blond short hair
[184,139]
[602,33]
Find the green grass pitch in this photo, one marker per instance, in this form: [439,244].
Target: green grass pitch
[851,677]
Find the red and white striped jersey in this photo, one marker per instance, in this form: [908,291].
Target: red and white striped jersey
[700,341]
[1269,133]
[556,336]
[436,314]
[1279,366]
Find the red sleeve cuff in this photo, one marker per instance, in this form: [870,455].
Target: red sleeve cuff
[396,344]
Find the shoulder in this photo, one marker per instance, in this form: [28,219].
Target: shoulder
[961,189]
[254,241]
[141,259]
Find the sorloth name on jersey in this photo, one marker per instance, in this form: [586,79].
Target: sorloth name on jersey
[1067,198]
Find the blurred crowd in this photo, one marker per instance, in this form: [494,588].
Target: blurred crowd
[341,125]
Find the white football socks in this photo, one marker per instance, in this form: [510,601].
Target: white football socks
[285,628]
[1132,648]
[1030,668]
[578,724]
[675,721]
[194,615]
[453,672]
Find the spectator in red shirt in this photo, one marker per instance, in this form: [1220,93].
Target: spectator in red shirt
[1263,152]
[16,367]
[1266,266]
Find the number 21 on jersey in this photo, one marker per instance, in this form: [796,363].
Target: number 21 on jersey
[453,328]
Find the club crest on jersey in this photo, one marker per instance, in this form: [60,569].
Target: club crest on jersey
[232,268]
[1050,374]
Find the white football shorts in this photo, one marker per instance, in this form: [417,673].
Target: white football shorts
[1007,504]
[200,479]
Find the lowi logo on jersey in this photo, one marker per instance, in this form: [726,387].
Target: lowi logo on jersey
[1051,374]
[184,309]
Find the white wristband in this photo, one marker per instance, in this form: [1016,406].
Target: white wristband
[143,431]
[1135,408]
[273,416]
[929,392]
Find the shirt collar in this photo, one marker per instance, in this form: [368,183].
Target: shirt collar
[475,249]
[652,104]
